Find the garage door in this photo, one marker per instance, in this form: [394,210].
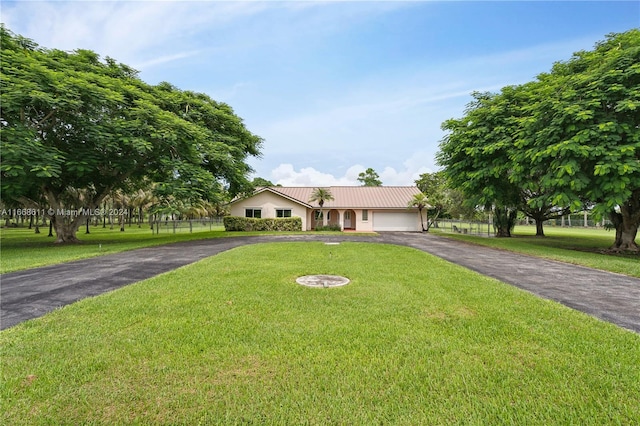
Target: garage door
[401,221]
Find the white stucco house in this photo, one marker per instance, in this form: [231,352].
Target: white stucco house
[356,208]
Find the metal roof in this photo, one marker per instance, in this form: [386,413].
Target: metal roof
[359,197]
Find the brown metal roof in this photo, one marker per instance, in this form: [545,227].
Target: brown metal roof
[361,197]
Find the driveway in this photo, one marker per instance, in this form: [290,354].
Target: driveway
[32,293]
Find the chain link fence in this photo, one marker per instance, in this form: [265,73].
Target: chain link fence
[482,229]
[190,225]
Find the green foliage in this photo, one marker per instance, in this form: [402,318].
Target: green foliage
[238,223]
[568,138]
[369,178]
[70,120]
[320,196]
[261,182]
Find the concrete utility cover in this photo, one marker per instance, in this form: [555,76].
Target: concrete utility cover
[322,280]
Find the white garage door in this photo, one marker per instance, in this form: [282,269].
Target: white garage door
[401,221]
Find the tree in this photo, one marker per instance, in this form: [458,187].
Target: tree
[435,187]
[582,134]
[261,182]
[369,178]
[70,120]
[320,196]
[568,139]
[420,201]
[475,154]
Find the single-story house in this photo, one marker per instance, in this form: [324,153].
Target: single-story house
[357,208]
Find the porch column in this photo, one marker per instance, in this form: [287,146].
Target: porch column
[341,219]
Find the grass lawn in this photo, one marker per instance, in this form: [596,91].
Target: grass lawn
[21,248]
[580,246]
[233,339]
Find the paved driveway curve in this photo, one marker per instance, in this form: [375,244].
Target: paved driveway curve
[32,293]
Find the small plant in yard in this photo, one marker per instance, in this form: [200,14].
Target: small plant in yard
[231,341]
[333,228]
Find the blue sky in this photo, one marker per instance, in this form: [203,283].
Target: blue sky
[333,87]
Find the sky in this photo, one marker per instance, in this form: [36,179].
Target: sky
[332,87]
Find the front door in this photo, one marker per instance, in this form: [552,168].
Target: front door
[347,219]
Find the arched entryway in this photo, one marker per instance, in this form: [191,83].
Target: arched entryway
[349,220]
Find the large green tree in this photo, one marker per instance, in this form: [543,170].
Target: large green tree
[73,123]
[474,154]
[582,133]
[567,139]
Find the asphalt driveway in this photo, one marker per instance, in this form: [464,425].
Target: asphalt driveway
[32,293]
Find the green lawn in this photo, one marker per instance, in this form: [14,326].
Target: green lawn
[21,248]
[233,339]
[580,246]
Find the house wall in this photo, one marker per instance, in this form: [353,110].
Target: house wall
[268,202]
[364,225]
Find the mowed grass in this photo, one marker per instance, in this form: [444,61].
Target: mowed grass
[21,248]
[233,339]
[579,246]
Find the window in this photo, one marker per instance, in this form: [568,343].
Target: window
[257,213]
[283,212]
[365,215]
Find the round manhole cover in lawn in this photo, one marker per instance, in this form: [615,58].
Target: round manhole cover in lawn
[324,281]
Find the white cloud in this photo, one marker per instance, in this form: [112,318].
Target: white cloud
[286,174]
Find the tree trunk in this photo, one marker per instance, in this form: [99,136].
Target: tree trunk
[504,221]
[36,223]
[626,224]
[539,228]
[433,220]
[66,229]
[67,221]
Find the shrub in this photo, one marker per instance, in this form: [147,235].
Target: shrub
[237,223]
[333,227]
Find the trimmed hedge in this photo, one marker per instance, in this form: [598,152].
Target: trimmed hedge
[238,223]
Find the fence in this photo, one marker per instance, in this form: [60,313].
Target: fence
[191,225]
[482,229]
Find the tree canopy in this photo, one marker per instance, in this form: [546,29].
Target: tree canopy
[369,178]
[568,139]
[73,123]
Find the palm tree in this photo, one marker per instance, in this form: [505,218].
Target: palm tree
[320,195]
[419,200]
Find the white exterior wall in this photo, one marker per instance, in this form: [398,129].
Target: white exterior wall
[268,202]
